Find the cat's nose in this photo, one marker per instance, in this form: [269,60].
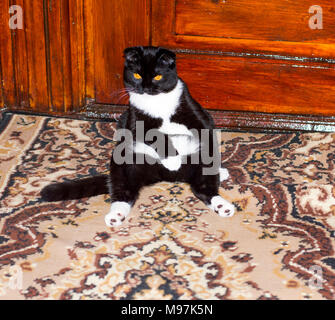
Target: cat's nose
[147,90]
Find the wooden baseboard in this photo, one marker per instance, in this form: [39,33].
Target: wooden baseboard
[233,120]
[273,122]
[225,120]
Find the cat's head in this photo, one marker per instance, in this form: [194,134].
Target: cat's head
[150,70]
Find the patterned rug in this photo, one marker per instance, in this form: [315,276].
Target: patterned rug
[279,245]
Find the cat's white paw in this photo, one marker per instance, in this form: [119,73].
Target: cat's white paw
[172,163]
[117,214]
[224,174]
[222,207]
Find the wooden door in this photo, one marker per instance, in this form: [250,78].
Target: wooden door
[236,56]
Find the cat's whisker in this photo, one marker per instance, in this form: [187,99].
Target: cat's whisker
[117,92]
[121,97]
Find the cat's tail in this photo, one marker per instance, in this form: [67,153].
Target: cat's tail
[76,189]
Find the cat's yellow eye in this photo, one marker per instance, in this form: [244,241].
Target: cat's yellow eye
[158,77]
[137,76]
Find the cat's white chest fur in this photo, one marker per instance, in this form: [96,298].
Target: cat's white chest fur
[163,106]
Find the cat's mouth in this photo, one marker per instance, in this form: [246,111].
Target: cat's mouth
[147,92]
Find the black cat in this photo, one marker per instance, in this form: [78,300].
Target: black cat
[181,147]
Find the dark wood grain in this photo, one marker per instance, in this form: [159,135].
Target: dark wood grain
[89,31]
[67,57]
[19,44]
[39,83]
[245,84]
[275,20]
[57,21]
[76,16]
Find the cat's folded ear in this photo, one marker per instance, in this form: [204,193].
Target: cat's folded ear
[167,58]
[132,54]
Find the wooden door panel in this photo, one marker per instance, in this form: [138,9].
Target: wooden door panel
[275,20]
[251,56]
[89,32]
[8,88]
[43,65]
[36,62]
[76,18]
[19,42]
[164,32]
[252,84]
[60,64]
[69,52]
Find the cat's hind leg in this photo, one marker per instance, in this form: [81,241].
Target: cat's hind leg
[218,204]
[206,187]
[221,206]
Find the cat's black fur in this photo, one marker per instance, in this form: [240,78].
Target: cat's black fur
[126,180]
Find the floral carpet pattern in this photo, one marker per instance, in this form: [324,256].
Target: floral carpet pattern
[279,245]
